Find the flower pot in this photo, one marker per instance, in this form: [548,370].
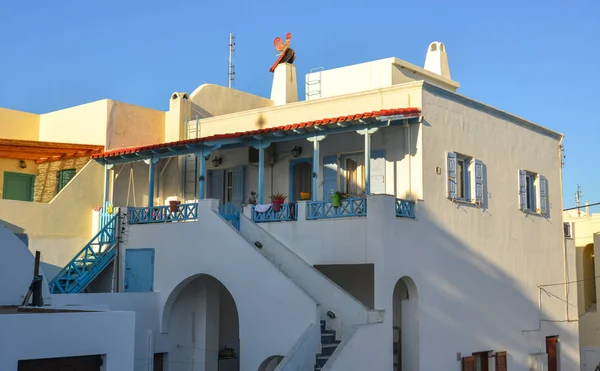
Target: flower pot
[173,204]
[304,196]
[277,205]
[336,201]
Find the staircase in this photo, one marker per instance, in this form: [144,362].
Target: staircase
[328,346]
[89,262]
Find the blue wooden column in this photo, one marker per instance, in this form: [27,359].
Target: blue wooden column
[152,164]
[316,165]
[367,133]
[107,181]
[202,173]
[261,170]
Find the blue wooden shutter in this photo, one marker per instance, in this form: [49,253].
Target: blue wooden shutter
[451,170]
[522,189]
[479,181]
[216,184]
[378,172]
[237,175]
[543,195]
[330,171]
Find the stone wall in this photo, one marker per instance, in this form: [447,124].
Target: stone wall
[45,180]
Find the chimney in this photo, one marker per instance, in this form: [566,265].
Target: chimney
[285,86]
[436,60]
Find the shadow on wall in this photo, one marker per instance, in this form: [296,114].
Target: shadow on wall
[479,292]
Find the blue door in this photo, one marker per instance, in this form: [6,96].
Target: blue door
[139,270]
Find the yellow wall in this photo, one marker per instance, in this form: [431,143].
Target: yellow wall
[84,124]
[130,126]
[19,125]
[12,166]
[59,228]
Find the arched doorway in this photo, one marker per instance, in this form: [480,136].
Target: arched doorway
[203,326]
[270,363]
[406,325]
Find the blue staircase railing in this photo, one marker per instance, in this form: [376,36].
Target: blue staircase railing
[405,208]
[89,262]
[231,215]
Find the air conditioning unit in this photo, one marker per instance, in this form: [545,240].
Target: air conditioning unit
[269,155]
[538,362]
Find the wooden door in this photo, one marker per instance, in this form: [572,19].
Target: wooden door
[552,351]
[469,363]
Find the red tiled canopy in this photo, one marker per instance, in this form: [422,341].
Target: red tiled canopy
[406,112]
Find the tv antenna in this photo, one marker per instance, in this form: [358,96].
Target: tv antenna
[231,50]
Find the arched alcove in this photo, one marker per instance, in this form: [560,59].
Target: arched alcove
[270,363]
[203,322]
[589,276]
[406,325]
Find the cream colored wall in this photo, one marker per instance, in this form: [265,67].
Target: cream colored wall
[393,97]
[60,228]
[526,247]
[10,165]
[130,125]
[215,100]
[84,124]
[19,125]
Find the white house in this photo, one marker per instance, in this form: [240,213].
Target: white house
[445,251]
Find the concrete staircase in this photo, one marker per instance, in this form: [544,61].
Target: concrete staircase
[328,345]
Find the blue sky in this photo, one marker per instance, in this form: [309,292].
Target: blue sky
[536,59]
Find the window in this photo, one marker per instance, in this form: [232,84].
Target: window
[533,192]
[229,187]
[466,178]
[63,177]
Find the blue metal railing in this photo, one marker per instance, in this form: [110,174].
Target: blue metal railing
[405,208]
[162,214]
[287,212]
[231,215]
[89,262]
[348,207]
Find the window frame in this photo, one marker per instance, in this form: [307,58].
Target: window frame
[59,177]
[464,188]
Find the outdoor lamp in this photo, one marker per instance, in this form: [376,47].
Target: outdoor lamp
[296,151]
[216,161]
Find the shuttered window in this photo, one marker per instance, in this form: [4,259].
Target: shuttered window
[466,178]
[501,361]
[533,193]
[63,177]
[469,363]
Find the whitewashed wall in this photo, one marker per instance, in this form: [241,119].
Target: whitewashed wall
[211,247]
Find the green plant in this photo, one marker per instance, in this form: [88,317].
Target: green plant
[278,197]
[339,194]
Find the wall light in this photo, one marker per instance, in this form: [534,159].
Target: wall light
[296,151]
[22,164]
[217,161]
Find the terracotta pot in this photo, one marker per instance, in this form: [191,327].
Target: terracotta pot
[304,196]
[173,205]
[277,205]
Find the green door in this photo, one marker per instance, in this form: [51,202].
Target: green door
[18,186]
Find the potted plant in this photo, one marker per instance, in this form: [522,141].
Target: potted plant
[304,196]
[277,199]
[336,198]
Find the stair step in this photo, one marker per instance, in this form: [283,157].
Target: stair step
[323,329]
[328,337]
[328,349]
[321,360]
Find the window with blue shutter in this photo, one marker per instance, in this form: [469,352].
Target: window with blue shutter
[452,175]
[544,206]
[377,172]
[237,198]
[63,177]
[523,190]
[216,185]
[479,182]
[330,172]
